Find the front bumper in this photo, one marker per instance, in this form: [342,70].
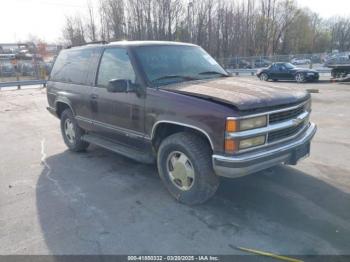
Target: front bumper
[244,164]
[312,77]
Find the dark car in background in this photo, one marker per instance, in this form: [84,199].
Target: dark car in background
[287,71]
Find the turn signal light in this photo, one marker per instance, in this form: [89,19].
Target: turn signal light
[231,146]
[231,125]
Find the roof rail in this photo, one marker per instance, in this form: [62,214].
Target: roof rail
[89,43]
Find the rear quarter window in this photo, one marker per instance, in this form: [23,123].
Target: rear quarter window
[72,66]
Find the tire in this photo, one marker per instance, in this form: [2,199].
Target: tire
[71,132]
[300,78]
[200,181]
[264,77]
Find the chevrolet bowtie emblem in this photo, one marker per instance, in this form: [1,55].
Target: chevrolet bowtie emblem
[297,121]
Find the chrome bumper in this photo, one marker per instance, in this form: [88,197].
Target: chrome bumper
[247,163]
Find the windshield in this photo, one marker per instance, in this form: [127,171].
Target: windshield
[171,63]
[289,65]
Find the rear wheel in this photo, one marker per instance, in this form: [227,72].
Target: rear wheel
[264,77]
[71,132]
[185,167]
[299,77]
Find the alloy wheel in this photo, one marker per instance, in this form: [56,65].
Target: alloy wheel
[69,130]
[299,78]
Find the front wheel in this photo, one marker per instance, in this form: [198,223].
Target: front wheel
[264,77]
[299,77]
[185,167]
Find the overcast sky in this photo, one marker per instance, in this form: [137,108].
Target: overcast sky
[45,18]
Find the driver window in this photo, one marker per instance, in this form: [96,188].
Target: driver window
[115,64]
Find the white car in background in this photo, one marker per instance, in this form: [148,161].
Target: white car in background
[300,61]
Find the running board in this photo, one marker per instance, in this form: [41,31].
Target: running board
[138,155]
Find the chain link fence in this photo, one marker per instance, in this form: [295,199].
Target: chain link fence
[29,63]
[315,61]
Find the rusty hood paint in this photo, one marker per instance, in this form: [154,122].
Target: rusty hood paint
[242,93]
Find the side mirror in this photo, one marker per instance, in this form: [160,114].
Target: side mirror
[118,86]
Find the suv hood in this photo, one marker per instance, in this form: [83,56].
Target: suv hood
[243,94]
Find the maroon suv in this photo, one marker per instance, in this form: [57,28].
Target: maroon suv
[173,104]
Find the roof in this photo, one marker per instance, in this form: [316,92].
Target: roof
[130,43]
[148,43]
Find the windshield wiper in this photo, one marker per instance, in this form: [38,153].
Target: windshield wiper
[188,78]
[212,73]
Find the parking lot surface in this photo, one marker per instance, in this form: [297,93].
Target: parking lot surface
[53,201]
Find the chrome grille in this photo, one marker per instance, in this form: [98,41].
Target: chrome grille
[283,124]
[284,133]
[285,115]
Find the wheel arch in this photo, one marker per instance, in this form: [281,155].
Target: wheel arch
[61,105]
[266,73]
[163,129]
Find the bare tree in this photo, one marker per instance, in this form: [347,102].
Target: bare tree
[73,31]
[91,23]
[225,28]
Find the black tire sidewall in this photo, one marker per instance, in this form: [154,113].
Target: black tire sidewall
[78,144]
[205,181]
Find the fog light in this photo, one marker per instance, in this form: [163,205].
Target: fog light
[251,142]
[230,146]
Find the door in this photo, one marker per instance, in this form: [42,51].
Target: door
[286,73]
[118,116]
[274,72]
[281,72]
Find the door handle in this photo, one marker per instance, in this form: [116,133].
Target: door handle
[93,96]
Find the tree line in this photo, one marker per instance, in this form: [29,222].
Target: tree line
[223,27]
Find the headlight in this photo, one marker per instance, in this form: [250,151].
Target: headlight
[234,125]
[251,123]
[251,142]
